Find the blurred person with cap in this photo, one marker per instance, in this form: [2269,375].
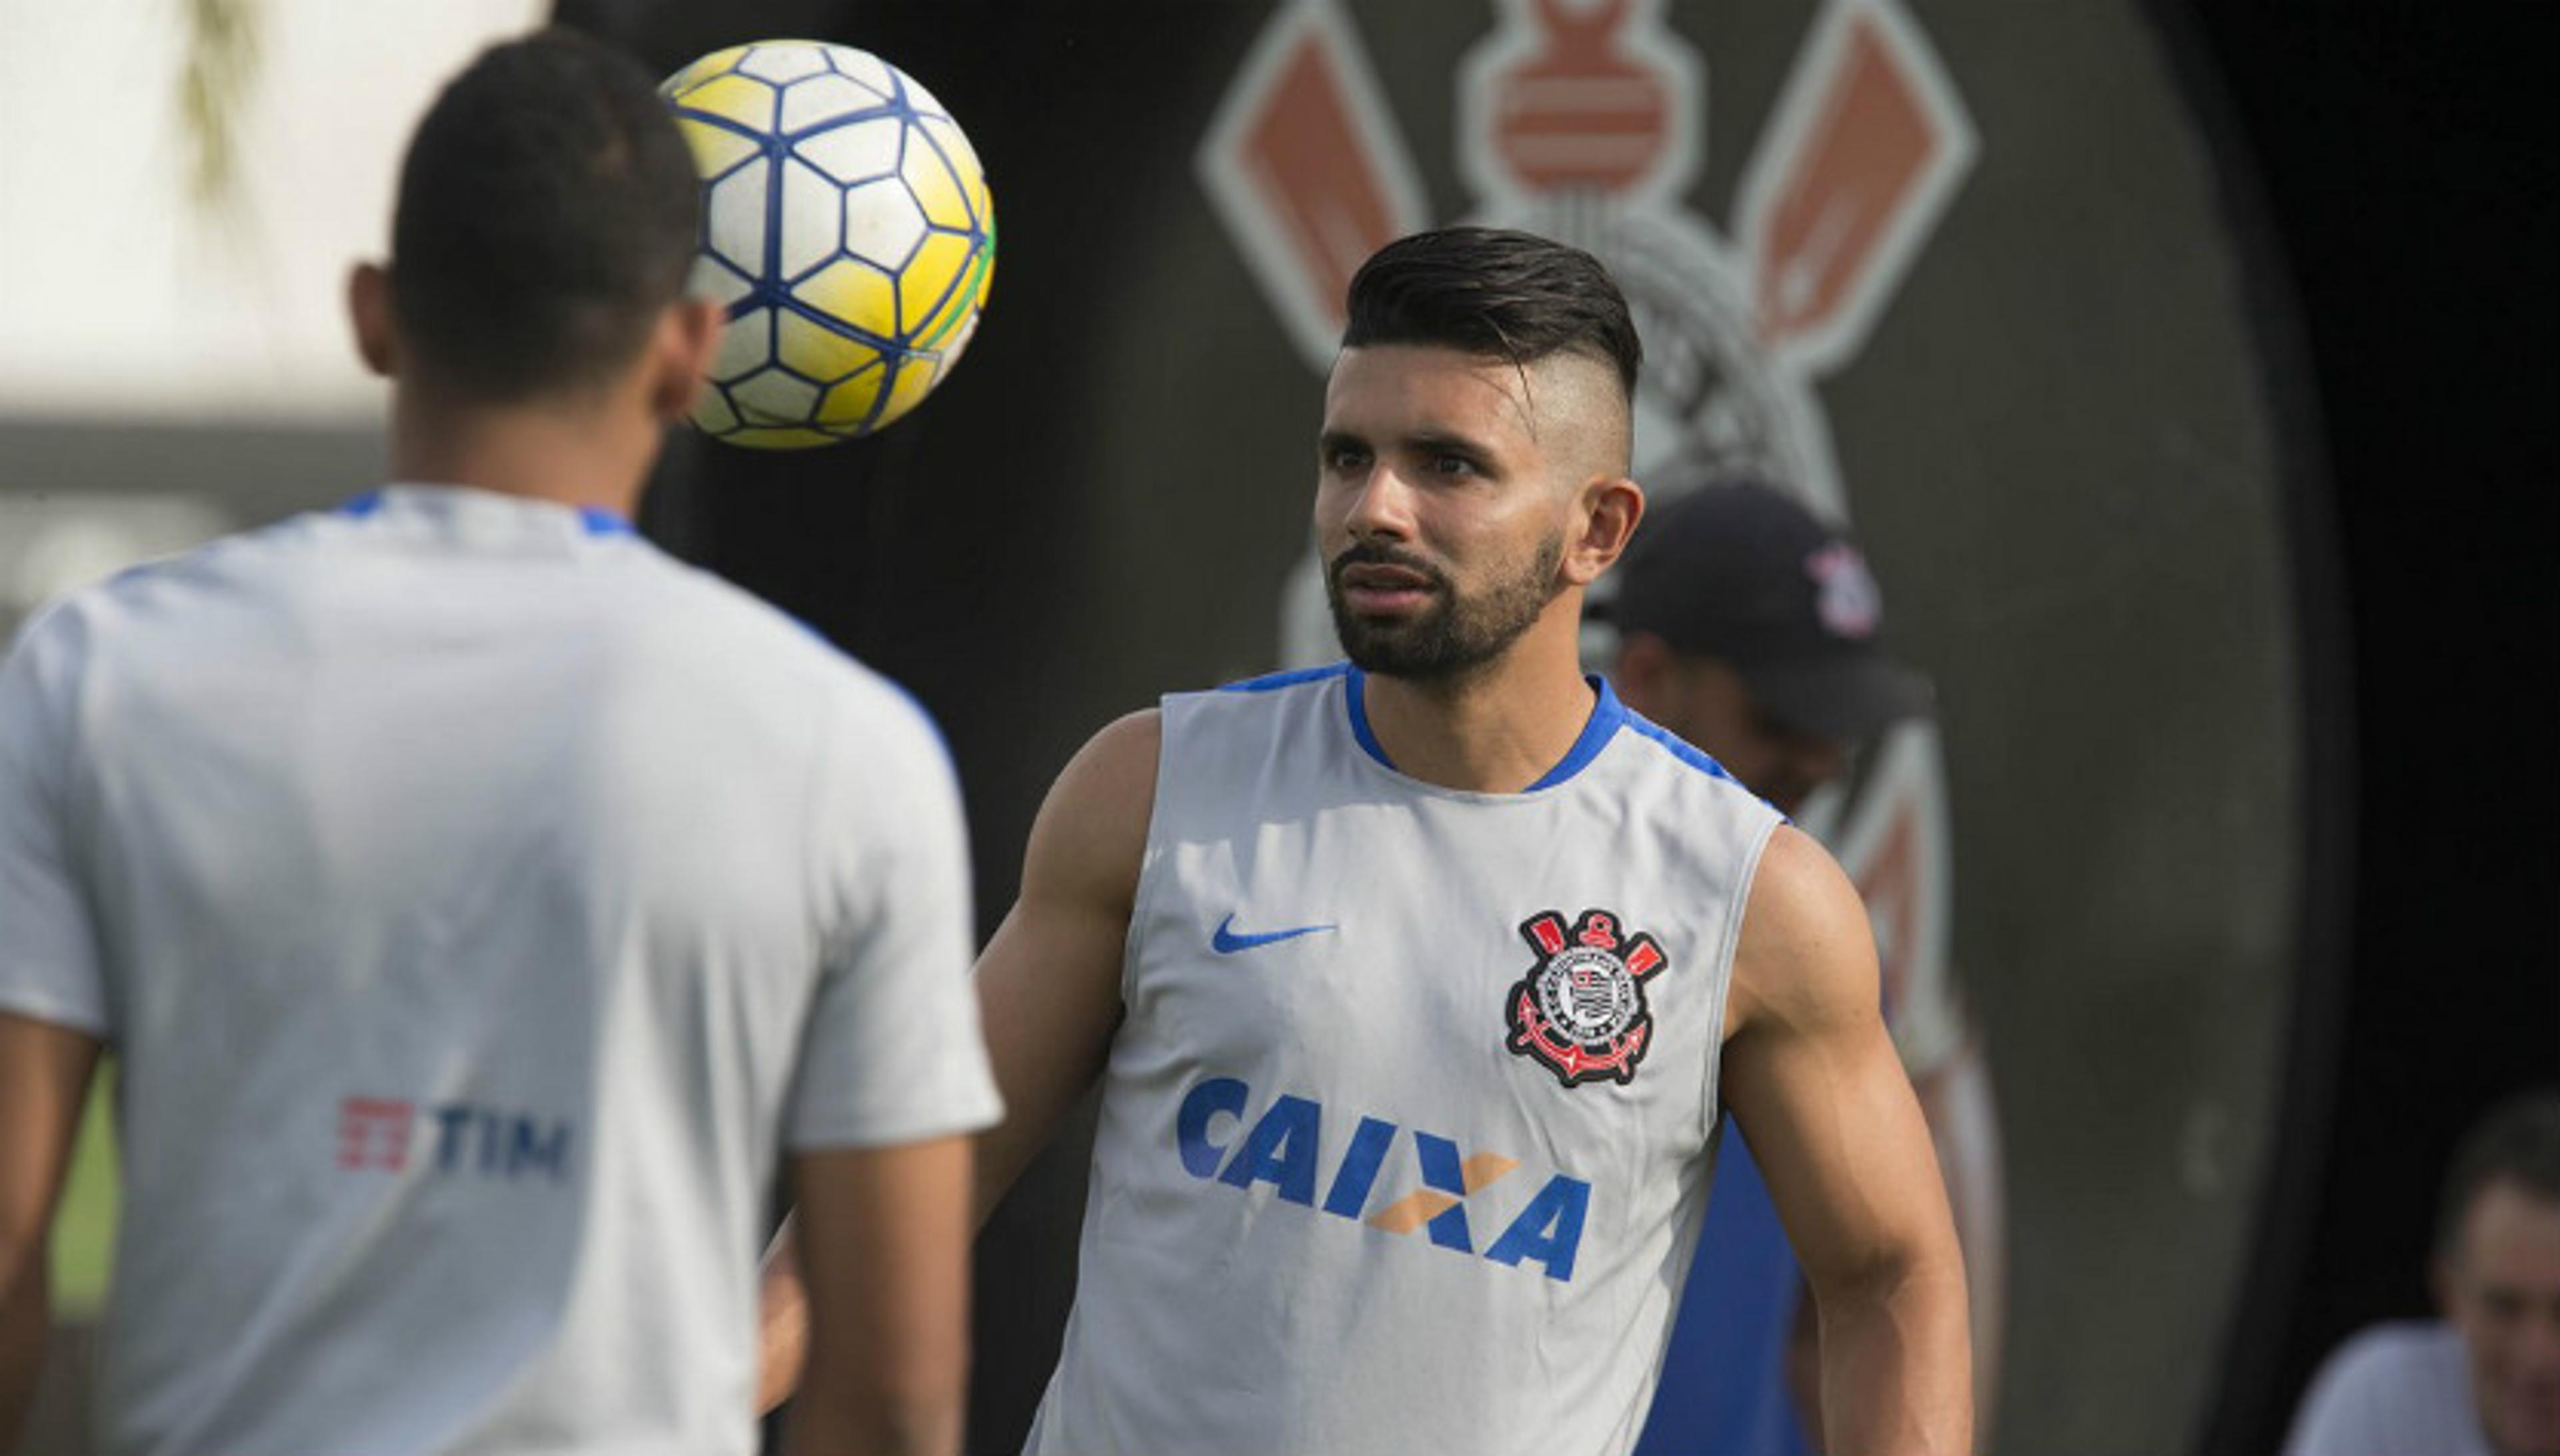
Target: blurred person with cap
[2484,1378]
[1753,629]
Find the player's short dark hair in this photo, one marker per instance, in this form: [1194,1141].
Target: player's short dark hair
[548,214]
[2517,1142]
[1495,293]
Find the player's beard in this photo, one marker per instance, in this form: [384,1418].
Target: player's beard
[1454,635]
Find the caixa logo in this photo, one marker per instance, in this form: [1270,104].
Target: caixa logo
[378,1132]
[1285,1147]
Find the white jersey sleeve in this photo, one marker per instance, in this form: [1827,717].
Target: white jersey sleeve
[892,1052]
[49,966]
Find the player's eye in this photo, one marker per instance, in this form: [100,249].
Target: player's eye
[1345,459]
[1453,466]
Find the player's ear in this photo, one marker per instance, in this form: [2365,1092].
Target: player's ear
[687,335]
[369,308]
[1605,518]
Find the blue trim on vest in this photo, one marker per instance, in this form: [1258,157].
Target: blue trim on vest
[1271,680]
[1681,747]
[1607,713]
[363,505]
[1355,702]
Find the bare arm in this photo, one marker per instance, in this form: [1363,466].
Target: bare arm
[1813,1079]
[1049,984]
[885,1257]
[1955,1098]
[781,1321]
[1049,993]
[44,1076]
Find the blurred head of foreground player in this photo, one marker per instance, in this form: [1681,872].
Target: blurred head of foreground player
[532,316]
[1472,468]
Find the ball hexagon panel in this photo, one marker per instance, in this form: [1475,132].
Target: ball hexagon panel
[773,396]
[855,151]
[865,69]
[719,282]
[781,64]
[882,224]
[740,98]
[821,352]
[853,293]
[823,99]
[744,346]
[812,220]
[733,219]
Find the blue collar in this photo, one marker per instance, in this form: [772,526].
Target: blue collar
[1607,713]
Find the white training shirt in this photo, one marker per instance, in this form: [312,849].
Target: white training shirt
[480,901]
[1405,1136]
[2395,1389]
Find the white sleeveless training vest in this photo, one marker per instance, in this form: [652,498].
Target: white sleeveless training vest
[1405,1139]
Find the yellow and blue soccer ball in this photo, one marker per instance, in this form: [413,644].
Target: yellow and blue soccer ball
[846,227]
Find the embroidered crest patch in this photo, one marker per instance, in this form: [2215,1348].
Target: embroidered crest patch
[1580,1011]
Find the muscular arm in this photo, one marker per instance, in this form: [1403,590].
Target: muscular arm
[1048,993]
[1812,1077]
[883,1255]
[1049,984]
[44,1074]
[1955,1098]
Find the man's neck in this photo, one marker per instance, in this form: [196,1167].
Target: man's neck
[1497,729]
[572,455]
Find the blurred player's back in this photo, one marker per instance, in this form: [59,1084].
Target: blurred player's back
[445,990]
[485,905]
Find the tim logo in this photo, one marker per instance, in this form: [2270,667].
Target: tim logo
[382,1133]
[1285,1148]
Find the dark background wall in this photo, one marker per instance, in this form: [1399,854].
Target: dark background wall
[2405,157]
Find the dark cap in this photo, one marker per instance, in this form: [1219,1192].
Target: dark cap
[1744,574]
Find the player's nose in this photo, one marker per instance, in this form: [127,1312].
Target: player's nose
[1382,507]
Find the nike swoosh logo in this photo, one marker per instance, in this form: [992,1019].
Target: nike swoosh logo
[1228,943]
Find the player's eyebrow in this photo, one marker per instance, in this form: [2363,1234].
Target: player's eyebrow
[1447,443]
[1443,442]
[1331,441]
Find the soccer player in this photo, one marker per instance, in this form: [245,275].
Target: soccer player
[1753,629]
[483,906]
[1415,986]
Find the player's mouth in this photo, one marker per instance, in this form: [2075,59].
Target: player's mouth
[1373,580]
[1385,590]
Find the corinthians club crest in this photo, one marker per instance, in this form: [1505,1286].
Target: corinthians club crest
[1580,1010]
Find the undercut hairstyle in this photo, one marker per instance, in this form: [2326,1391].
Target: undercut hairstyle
[1497,294]
[548,214]
[2517,1142]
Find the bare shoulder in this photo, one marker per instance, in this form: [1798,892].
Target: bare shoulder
[1807,954]
[1092,830]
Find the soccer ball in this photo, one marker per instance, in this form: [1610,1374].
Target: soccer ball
[847,227]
